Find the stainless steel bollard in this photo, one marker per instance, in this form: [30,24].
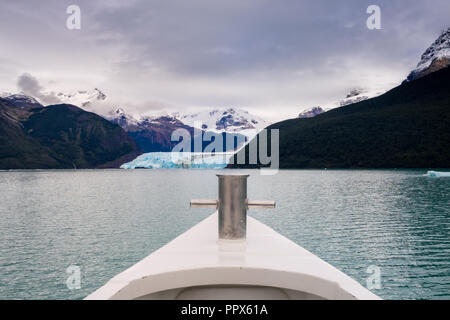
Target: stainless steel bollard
[232,206]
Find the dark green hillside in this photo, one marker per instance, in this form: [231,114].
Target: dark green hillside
[60,136]
[407,127]
[17,149]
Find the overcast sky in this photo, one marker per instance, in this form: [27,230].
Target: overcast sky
[273,58]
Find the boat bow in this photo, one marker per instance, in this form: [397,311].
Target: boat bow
[198,265]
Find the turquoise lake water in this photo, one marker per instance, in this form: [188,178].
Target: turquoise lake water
[104,221]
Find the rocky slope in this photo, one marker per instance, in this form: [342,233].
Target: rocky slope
[59,136]
[436,57]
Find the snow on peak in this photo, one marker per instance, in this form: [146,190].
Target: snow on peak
[122,118]
[223,119]
[311,113]
[440,48]
[19,98]
[5,94]
[82,98]
[354,96]
[229,120]
[436,57]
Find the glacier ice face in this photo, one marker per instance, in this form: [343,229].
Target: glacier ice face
[172,160]
[437,174]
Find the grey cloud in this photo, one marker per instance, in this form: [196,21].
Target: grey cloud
[186,36]
[29,85]
[253,54]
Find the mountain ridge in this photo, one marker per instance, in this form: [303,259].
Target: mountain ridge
[153,133]
[60,137]
[407,127]
[435,57]
[217,119]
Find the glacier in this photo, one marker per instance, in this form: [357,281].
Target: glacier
[437,174]
[182,160]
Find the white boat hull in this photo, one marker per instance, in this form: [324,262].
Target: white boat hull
[196,265]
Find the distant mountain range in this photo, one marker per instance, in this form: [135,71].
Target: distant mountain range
[59,137]
[153,133]
[405,127]
[224,119]
[231,120]
[65,136]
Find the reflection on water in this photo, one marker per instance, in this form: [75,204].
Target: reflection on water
[106,220]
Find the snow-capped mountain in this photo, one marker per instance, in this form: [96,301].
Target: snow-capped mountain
[133,122]
[82,98]
[216,120]
[354,96]
[153,133]
[21,100]
[223,120]
[436,57]
[311,113]
[4,95]
[123,119]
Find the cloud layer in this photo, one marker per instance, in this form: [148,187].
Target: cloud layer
[30,86]
[273,58]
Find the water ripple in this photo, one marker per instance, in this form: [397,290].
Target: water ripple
[105,221]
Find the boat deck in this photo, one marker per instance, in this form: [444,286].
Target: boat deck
[267,265]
